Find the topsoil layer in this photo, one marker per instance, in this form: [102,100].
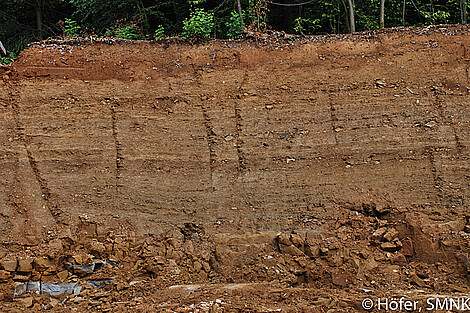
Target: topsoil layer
[270,173]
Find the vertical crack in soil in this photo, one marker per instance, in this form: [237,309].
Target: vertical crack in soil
[239,128]
[445,197]
[334,119]
[465,60]
[238,140]
[449,121]
[437,179]
[211,142]
[45,191]
[117,146]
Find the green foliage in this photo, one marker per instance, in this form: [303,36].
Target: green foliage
[199,24]
[201,18]
[257,15]
[125,30]
[306,25]
[160,32]
[70,28]
[102,14]
[8,59]
[196,2]
[234,26]
[437,17]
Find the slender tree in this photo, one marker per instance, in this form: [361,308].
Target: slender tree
[463,11]
[382,14]
[39,26]
[346,14]
[352,21]
[240,12]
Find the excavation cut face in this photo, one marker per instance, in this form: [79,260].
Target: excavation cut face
[237,136]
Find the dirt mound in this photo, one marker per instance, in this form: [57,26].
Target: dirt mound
[257,175]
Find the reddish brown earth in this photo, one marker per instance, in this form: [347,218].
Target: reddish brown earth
[263,175]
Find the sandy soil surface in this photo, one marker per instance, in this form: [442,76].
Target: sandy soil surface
[269,174]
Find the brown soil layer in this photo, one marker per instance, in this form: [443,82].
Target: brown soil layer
[237,176]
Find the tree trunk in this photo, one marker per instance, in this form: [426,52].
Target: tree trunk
[39,26]
[240,12]
[348,27]
[403,15]
[352,21]
[463,11]
[382,14]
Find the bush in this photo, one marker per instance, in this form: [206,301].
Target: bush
[160,32]
[306,25]
[235,26]
[199,24]
[70,28]
[125,30]
[7,59]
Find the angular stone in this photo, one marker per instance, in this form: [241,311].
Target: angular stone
[380,83]
[97,248]
[9,265]
[4,275]
[398,259]
[378,234]
[408,247]
[339,278]
[25,302]
[63,275]
[197,266]
[18,277]
[390,234]
[283,239]
[370,264]
[43,264]
[292,250]
[415,280]
[55,248]
[312,251]
[25,266]
[390,246]
[296,240]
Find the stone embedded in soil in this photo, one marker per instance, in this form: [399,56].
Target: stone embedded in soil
[25,302]
[19,277]
[297,240]
[398,259]
[283,239]
[340,278]
[25,266]
[9,265]
[4,275]
[415,280]
[43,264]
[312,251]
[378,234]
[390,234]
[390,246]
[407,247]
[63,275]
[292,250]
